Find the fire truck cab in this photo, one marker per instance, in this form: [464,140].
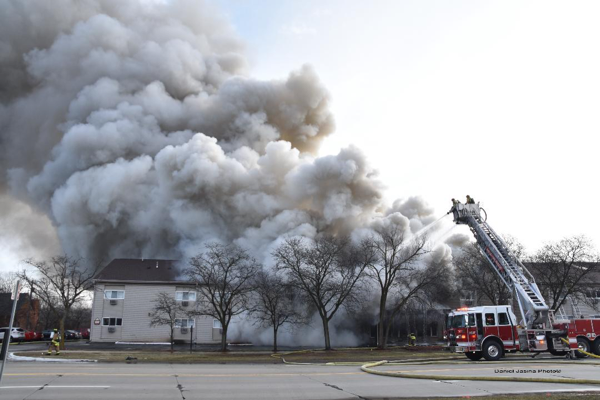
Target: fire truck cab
[487,331]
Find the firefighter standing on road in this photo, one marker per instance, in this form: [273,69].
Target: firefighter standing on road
[54,343]
[412,339]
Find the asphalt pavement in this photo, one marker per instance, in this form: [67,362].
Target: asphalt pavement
[31,381]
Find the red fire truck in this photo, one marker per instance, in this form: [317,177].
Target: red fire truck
[491,331]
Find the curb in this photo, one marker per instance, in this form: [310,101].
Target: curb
[13,357]
[368,368]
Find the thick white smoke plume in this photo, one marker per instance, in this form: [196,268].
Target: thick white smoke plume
[135,128]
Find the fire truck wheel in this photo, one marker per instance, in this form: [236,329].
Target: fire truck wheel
[474,356]
[596,346]
[492,350]
[554,352]
[584,345]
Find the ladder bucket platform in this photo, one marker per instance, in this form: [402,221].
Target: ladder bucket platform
[462,212]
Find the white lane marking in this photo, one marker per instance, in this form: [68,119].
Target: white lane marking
[54,387]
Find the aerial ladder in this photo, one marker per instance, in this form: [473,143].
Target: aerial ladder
[491,331]
[512,272]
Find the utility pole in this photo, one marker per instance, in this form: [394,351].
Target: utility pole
[7,336]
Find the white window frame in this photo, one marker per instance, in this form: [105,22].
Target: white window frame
[469,298]
[180,294]
[120,294]
[595,294]
[217,324]
[109,318]
[189,323]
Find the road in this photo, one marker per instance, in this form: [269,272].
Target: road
[37,381]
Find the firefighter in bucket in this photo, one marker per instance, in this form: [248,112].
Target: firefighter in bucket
[54,343]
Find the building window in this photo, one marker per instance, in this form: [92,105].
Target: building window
[593,294]
[185,296]
[109,321]
[184,322]
[467,300]
[217,324]
[433,329]
[114,294]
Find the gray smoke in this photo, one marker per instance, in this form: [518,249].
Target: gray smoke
[134,127]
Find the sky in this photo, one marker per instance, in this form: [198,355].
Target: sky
[496,99]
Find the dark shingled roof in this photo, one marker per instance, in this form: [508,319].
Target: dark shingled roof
[141,270]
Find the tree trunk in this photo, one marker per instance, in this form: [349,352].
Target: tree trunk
[274,339]
[386,332]
[381,338]
[172,338]
[223,338]
[62,331]
[326,333]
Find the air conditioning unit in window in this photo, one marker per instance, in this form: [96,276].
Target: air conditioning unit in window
[113,302]
[185,303]
[184,330]
[111,329]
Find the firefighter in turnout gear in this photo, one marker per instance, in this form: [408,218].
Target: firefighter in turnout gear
[412,339]
[454,204]
[470,200]
[54,343]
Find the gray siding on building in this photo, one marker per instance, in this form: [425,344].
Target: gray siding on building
[574,308]
[134,310]
[97,306]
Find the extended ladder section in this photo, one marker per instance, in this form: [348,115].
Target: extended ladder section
[507,266]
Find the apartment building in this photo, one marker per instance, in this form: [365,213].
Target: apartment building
[124,295]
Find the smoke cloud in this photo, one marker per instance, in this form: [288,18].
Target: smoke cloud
[134,128]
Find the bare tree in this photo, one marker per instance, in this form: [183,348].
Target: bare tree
[562,268]
[80,317]
[62,284]
[273,304]
[476,276]
[395,255]
[516,248]
[224,275]
[326,270]
[165,312]
[8,281]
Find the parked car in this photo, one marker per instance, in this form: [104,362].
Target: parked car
[16,335]
[85,333]
[38,335]
[29,336]
[47,334]
[72,335]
